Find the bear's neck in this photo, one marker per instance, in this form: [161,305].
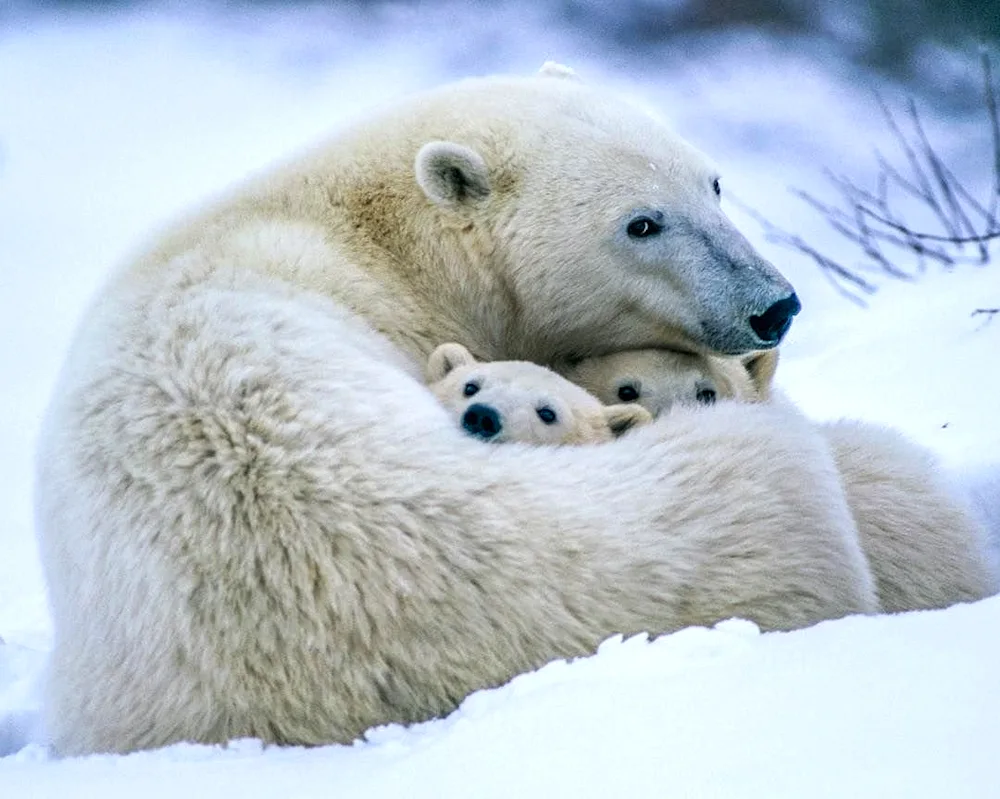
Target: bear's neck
[417,314]
[419,288]
[345,238]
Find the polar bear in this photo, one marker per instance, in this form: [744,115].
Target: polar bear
[656,379]
[521,401]
[899,498]
[902,502]
[256,520]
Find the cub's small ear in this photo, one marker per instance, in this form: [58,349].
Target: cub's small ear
[622,418]
[553,69]
[452,174]
[761,367]
[446,358]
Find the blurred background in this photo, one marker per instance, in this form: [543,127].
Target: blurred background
[905,39]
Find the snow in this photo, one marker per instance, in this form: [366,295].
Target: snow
[875,706]
[113,124]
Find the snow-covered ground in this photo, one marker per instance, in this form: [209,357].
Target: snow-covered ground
[863,707]
[109,125]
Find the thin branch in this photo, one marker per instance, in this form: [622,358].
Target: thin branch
[857,196]
[840,222]
[969,200]
[957,220]
[836,273]
[994,118]
[989,313]
[922,188]
[978,238]
[865,217]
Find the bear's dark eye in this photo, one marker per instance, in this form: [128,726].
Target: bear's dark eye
[706,396]
[628,393]
[642,227]
[470,388]
[717,187]
[547,415]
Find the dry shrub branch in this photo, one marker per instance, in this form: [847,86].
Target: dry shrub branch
[961,228]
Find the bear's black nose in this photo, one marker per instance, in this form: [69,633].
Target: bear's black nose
[482,420]
[771,325]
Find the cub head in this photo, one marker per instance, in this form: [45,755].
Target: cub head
[656,379]
[522,401]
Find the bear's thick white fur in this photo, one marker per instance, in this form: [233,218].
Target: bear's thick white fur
[252,527]
[925,548]
[256,520]
[515,393]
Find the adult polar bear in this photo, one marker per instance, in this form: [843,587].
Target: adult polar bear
[256,521]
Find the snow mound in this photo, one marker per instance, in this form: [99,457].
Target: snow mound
[864,706]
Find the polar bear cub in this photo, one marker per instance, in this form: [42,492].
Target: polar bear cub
[521,401]
[657,379]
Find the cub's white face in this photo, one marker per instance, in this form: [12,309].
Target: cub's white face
[521,401]
[657,379]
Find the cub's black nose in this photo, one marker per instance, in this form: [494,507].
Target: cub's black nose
[772,325]
[482,420]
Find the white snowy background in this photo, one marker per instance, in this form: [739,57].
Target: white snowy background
[112,123]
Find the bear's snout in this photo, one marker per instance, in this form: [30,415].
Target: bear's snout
[771,325]
[482,420]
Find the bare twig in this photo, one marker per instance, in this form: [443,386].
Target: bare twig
[839,275]
[991,110]
[976,238]
[956,217]
[922,189]
[840,222]
[989,313]
[866,218]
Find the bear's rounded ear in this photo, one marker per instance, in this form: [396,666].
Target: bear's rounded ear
[446,358]
[553,69]
[761,367]
[622,418]
[451,174]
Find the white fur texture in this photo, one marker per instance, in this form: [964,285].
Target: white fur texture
[256,520]
[925,548]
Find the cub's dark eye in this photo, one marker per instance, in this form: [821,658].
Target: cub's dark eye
[547,415]
[470,388]
[717,187]
[706,396]
[642,227]
[628,393]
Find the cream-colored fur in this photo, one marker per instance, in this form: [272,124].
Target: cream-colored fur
[448,218]
[657,379]
[505,401]
[253,528]
[256,520]
[925,549]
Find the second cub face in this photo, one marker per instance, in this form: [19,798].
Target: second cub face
[658,379]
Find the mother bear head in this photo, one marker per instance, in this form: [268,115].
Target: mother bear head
[558,220]
[534,218]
